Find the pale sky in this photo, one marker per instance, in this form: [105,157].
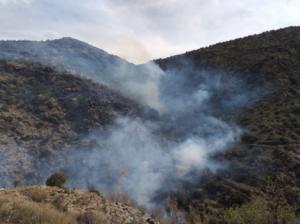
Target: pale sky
[140,30]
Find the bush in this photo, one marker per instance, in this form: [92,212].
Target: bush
[93,189]
[92,218]
[16,183]
[56,180]
[36,194]
[259,210]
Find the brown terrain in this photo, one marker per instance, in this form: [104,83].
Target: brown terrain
[56,205]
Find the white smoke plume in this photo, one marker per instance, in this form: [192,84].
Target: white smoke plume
[143,156]
[188,118]
[130,157]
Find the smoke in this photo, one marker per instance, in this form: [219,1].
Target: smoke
[190,116]
[146,155]
[67,54]
[140,83]
[129,157]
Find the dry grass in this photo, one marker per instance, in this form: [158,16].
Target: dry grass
[92,218]
[18,210]
[45,205]
[37,194]
[121,197]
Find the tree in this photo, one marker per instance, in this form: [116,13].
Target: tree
[57,179]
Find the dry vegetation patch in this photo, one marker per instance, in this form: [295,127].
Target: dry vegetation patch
[43,205]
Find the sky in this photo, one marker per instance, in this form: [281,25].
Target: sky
[141,30]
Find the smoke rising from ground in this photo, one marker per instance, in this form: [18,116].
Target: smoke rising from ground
[189,114]
[145,155]
[130,158]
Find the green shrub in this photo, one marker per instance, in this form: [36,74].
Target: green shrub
[261,211]
[57,179]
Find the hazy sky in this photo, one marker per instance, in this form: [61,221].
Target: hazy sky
[140,30]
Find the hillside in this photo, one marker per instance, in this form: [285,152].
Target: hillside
[43,111]
[76,57]
[64,54]
[63,97]
[55,205]
[270,146]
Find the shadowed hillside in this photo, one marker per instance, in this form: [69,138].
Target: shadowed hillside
[43,111]
[270,146]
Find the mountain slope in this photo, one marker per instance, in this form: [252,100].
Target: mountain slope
[82,59]
[46,109]
[270,147]
[42,111]
[65,54]
[54,205]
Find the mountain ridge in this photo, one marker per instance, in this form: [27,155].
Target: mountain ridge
[228,42]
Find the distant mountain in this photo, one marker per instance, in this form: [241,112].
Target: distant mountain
[65,54]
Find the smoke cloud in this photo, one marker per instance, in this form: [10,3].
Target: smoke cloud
[130,158]
[188,117]
[142,156]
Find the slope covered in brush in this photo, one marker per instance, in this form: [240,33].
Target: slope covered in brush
[41,204]
[79,58]
[270,145]
[42,111]
[253,82]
